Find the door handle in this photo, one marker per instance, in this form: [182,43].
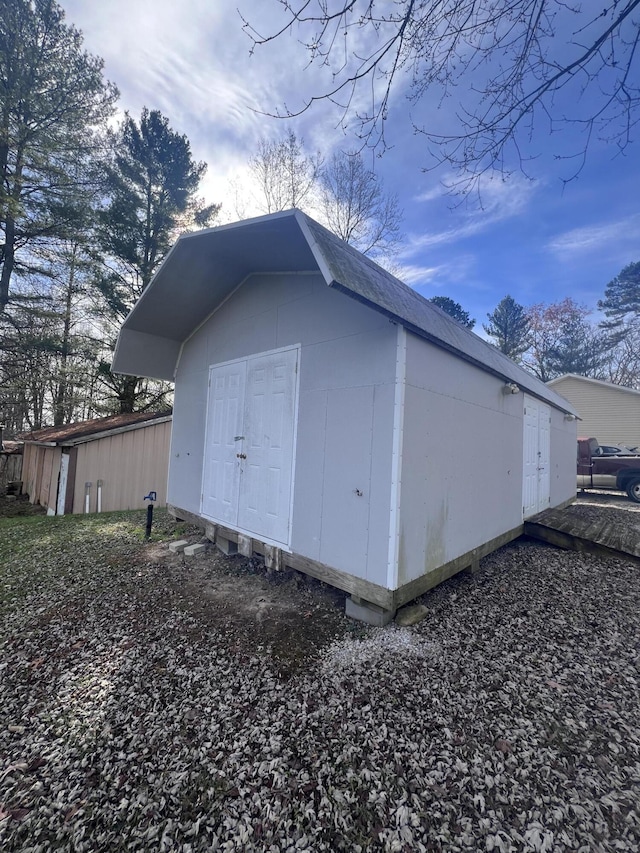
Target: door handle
[241,455]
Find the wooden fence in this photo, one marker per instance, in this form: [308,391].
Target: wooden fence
[10,468]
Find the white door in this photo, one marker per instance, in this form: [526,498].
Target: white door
[536,493]
[250,444]
[221,475]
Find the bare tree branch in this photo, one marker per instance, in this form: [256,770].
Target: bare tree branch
[509,63]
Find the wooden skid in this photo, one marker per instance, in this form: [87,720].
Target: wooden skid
[568,531]
[362,589]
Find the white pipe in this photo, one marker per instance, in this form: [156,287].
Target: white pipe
[99,496]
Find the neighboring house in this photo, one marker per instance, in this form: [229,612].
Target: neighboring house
[608,412]
[330,417]
[98,465]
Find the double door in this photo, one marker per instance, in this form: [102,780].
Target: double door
[250,441]
[536,490]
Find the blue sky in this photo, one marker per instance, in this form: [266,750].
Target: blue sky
[535,239]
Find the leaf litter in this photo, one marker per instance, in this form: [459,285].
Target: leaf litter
[147,702]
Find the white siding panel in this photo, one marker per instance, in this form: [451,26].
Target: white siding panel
[188,437]
[347,480]
[562,458]
[462,460]
[326,315]
[530,460]
[348,362]
[381,490]
[310,457]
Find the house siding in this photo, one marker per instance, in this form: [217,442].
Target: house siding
[609,413]
[345,412]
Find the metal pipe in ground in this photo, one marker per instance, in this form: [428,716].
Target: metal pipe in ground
[151,497]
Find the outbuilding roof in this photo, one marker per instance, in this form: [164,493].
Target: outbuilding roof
[93,429]
[203,268]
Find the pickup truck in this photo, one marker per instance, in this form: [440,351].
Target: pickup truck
[598,471]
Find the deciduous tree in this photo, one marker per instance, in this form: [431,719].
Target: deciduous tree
[562,340]
[285,174]
[356,207]
[505,64]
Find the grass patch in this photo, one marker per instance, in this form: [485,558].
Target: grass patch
[41,553]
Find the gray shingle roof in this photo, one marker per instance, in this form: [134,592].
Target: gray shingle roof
[203,268]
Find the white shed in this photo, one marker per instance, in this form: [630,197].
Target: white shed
[328,416]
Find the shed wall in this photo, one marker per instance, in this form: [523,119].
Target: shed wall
[130,464]
[40,474]
[462,460]
[611,415]
[345,412]
[29,462]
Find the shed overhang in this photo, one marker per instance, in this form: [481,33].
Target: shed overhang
[198,274]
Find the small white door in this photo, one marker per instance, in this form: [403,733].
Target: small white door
[248,466]
[536,486]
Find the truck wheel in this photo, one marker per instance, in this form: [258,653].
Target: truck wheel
[633,489]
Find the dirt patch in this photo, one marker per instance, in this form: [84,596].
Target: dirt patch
[285,616]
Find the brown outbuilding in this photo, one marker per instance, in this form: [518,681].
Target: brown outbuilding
[98,465]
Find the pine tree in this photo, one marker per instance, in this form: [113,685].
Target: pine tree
[53,97]
[622,298]
[454,309]
[509,327]
[152,186]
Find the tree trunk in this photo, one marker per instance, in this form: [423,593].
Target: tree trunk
[127,395]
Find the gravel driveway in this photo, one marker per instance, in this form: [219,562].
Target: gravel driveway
[151,704]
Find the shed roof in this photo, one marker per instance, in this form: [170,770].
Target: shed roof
[93,429]
[203,268]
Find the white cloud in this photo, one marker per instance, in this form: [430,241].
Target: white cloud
[415,274]
[611,237]
[497,200]
[439,277]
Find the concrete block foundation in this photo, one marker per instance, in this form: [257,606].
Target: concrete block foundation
[365,611]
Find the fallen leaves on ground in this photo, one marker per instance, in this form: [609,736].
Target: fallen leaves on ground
[506,721]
